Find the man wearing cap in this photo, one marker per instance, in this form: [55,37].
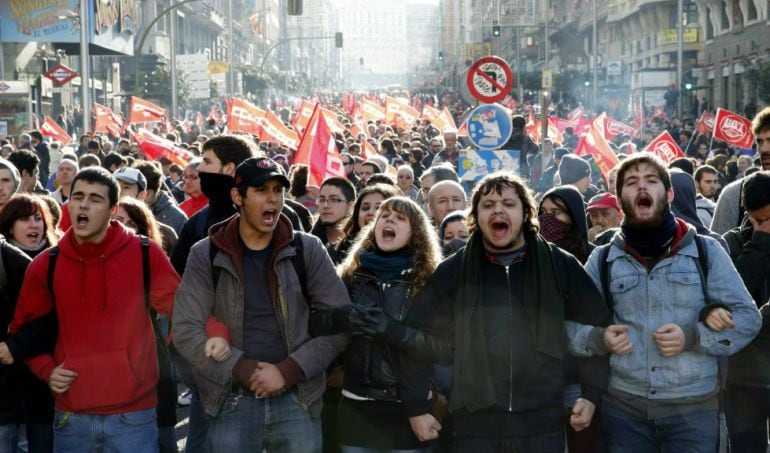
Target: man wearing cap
[132,183]
[576,171]
[546,179]
[604,212]
[9,181]
[275,367]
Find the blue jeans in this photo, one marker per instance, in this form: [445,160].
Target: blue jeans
[9,438]
[130,432]
[695,432]
[277,424]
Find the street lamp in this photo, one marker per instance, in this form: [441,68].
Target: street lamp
[81,20]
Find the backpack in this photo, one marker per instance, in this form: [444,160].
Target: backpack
[702,263]
[297,261]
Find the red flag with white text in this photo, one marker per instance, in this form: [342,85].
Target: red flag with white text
[593,142]
[705,123]
[106,121]
[733,129]
[613,128]
[273,130]
[145,111]
[154,147]
[49,128]
[665,147]
[244,117]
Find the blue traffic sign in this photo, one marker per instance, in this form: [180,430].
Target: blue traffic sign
[489,126]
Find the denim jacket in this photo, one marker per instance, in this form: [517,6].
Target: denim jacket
[669,293]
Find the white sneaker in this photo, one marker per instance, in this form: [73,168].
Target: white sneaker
[185,398]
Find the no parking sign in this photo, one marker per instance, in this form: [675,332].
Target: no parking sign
[490,79]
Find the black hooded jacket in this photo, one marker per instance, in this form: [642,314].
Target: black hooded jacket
[684,206]
[573,200]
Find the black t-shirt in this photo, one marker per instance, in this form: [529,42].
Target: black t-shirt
[262,339]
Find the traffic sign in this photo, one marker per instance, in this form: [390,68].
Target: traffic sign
[61,74]
[489,79]
[489,126]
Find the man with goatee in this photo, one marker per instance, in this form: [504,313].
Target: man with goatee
[667,328]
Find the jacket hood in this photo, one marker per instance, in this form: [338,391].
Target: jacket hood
[574,202]
[117,237]
[163,201]
[216,187]
[684,205]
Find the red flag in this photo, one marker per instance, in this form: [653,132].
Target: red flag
[106,121]
[613,128]
[243,116]
[318,151]
[371,111]
[332,122]
[400,113]
[154,147]
[576,113]
[665,147]
[215,115]
[186,126]
[560,123]
[367,150]
[553,132]
[638,116]
[273,130]
[49,128]
[145,111]
[658,113]
[593,142]
[199,120]
[733,129]
[705,123]
[303,115]
[510,102]
[448,120]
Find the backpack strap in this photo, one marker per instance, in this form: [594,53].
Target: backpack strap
[53,255]
[703,267]
[145,243]
[298,262]
[604,274]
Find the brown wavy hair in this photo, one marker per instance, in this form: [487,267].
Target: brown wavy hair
[351,227]
[24,205]
[497,182]
[142,216]
[423,242]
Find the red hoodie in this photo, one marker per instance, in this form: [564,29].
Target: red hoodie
[105,333]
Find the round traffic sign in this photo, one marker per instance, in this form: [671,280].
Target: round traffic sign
[489,79]
[489,126]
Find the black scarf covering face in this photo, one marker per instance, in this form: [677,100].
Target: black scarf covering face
[472,388]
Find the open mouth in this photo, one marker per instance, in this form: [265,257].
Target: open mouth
[388,233]
[644,203]
[34,236]
[499,229]
[270,215]
[81,220]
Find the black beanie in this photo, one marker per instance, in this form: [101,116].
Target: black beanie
[572,169]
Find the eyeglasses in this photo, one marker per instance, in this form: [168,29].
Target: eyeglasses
[190,177]
[330,200]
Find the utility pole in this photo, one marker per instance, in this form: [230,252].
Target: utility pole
[172,57]
[85,71]
[595,59]
[679,51]
[231,71]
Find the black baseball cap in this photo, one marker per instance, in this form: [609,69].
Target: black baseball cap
[256,171]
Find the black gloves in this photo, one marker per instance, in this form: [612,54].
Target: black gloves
[368,321]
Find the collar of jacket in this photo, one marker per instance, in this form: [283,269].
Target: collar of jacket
[225,236]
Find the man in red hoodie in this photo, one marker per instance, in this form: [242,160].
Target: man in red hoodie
[103,370]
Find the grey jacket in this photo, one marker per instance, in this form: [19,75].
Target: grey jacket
[727,214]
[166,211]
[196,300]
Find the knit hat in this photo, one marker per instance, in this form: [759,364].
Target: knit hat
[7,165]
[572,169]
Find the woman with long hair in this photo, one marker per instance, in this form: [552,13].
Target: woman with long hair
[136,216]
[368,201]
[26,222]
[384,405]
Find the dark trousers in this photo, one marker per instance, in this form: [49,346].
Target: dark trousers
[589,440]
[747,410]
[536,443]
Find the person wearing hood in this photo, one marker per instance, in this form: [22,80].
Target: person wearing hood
[162,205]
[563,221]
[576,171]
[103,369]
[9,181]
[684,207]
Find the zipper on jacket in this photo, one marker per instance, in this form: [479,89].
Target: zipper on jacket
[510,349]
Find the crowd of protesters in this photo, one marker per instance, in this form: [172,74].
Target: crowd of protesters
[398,308]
